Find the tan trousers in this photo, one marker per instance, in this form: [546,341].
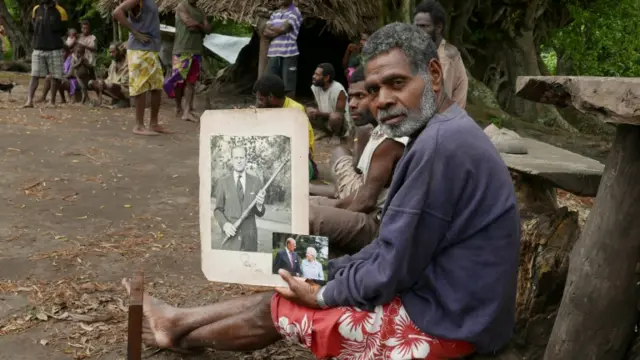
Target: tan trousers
[348,231]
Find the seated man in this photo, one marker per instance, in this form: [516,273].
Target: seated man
[332,114]
[352,221]
[439,282]
[270,93]
[116,85]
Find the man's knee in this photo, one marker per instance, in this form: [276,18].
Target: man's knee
[337,153]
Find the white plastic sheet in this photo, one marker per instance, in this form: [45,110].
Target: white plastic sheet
[225,46]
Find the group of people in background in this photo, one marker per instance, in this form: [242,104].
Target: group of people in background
[136,73]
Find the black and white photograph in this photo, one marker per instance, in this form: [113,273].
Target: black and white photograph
[250,191]
[301,255]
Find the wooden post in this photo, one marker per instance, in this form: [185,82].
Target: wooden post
[264,45]
[599,306]
[134,340]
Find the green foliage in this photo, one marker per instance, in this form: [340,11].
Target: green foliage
[603,39]
[231,28]
[550,59]
[12,7]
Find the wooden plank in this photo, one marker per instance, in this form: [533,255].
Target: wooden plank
[611,99]
[598,311]
[564,169]
[134,340]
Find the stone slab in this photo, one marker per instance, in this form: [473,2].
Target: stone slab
[611,99]
[564,169]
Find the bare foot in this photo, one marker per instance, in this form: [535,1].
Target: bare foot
[188,116]
[160,129]
[178,112]
[27,105]
[335,141]
[51,105]
[40,100]
[157,320]
[320,135]
[141,130]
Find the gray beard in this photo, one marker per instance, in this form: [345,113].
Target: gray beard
[415,119]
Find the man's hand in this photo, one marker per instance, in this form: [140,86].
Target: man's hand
[143,38]
[299,291]
[311,112]
[229,229]
[260,198]
[352,47]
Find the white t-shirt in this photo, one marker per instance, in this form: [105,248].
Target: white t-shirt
[327,100]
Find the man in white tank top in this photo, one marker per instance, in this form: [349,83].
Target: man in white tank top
[351,221]
[331,117]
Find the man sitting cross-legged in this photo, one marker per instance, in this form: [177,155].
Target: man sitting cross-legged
[270,93]
[362,179]
[439,282]
[331,117]
[116,85]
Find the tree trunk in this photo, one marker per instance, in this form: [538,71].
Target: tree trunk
[547,235]
[599,308]
[20,44]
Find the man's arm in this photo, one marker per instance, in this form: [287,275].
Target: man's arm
[183,15]
[380,172]
[206,27]
[460,82]
[60,27]
[218,211]
[403,250]
[119,14]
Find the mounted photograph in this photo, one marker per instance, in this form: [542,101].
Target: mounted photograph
[250,191]
[301,255]
[253,184]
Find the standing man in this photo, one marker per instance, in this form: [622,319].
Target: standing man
[283,28]
[431,17]
[142,19]
[49,22]
[287,259]
[332,113]
[89,41]
[191,27]
[234,194]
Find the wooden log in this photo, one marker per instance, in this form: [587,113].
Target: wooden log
[598,312]
[264,45]
[134,340]
[547,235]
[612,100]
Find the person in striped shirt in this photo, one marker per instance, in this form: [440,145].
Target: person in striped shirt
[282,29]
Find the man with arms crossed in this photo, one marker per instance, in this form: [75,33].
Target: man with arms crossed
[352,221]
[439,281]
[431,17]
[234,194]
[282,29]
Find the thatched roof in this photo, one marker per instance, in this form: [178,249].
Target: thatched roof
[349,17]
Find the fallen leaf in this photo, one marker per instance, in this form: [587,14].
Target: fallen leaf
[44,342]
[42,316]
[127,206]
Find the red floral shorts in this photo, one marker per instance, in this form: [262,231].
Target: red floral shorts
[352,334]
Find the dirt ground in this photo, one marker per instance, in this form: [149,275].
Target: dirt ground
[84,203]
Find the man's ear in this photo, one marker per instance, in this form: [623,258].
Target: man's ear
[437,76]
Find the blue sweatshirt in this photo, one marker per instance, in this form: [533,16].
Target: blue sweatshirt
[449,239]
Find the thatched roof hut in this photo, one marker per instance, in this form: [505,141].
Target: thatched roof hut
[344,17]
